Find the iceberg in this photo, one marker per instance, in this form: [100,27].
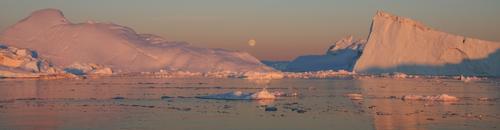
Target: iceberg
[108,47]
[342,55]
[398,44]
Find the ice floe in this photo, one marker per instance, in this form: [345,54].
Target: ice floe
[239,95]
[354,96]
[441,97]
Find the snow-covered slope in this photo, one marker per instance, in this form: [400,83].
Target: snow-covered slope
[342,55]
[65,44]
[278,65]
[398,44]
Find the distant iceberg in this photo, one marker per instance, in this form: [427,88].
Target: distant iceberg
[342,55]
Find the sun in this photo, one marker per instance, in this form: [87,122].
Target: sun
[252,42]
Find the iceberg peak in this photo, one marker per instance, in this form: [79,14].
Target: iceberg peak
[45,18]
[346,43]
[382,16]
[48,11]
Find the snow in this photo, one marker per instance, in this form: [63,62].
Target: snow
[442,97]
[120,48]
[238,95]
[398,44]
[342,55]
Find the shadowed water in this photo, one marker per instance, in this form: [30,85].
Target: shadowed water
[137,103]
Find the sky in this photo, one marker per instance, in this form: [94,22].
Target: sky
[277,29]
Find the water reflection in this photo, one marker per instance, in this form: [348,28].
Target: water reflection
[390,112]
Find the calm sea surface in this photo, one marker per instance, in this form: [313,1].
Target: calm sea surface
[133,103]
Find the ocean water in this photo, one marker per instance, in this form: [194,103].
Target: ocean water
[132,103]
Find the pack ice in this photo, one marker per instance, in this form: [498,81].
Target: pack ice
[88,45]
[398,44]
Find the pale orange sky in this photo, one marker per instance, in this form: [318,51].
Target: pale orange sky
[283,29]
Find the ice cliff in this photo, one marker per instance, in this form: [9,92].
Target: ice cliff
[398,44]
[92,44]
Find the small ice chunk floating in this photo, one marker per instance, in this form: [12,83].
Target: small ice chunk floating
[239,95]
[442,97]
[354,96]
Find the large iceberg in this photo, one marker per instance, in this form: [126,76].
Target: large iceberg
[342,55]
[398,44]
[92,44]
